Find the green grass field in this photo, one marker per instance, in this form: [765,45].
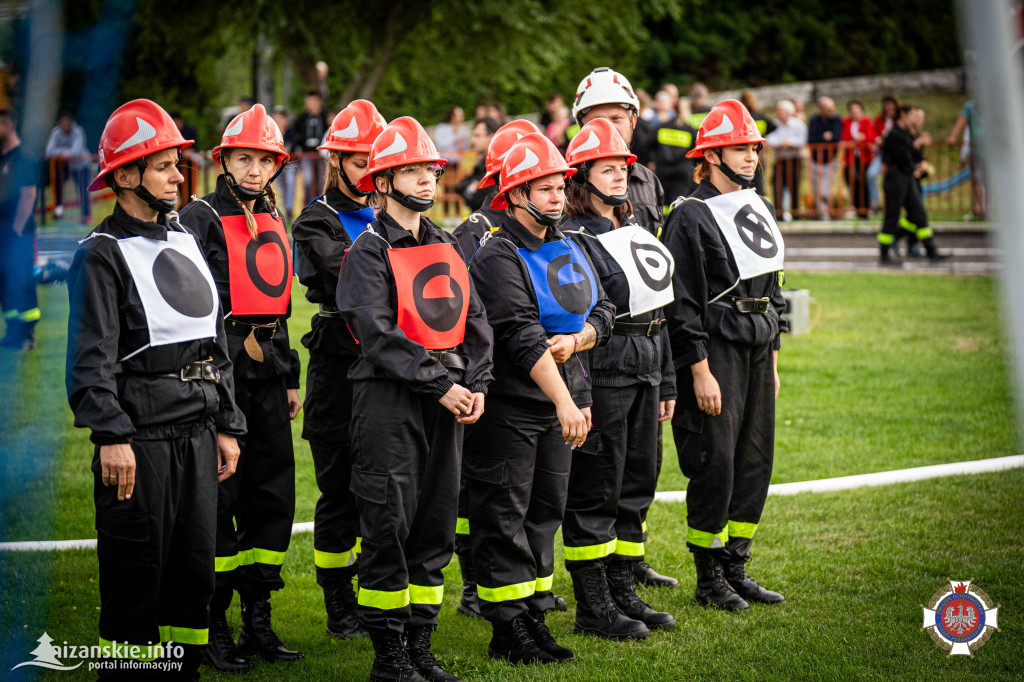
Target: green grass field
[899,371]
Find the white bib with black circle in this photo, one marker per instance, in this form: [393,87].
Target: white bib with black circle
[750,230]
[647,264]
[177,290]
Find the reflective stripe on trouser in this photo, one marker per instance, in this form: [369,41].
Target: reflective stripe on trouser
[156,549]
[728,458]
[406,453]
[256,506]
[740,536]
[328,412]
[516,499]
[613,476]
[901,192]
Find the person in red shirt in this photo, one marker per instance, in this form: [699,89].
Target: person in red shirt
[858,136]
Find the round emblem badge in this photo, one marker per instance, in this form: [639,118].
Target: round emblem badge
[960,617]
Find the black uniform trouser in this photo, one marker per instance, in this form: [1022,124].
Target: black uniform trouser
[406,456]
[463,546]
[728,457]
[857,183]
[18,295]
[902,191]
[328,408]
[256,506]
[613,477]
[156,548]
[517,463]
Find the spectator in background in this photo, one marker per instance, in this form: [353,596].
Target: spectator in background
[823,132]
[664,111]
[787,141]
[859,134]
[968,119]
[764,126]
[552,104]
[698,104]
[18,296]
[287,177]
[673,92]
[450,135]
[798,105]
[668,155]
[883,123]
[491,109]
[67,139]
[479,140]
[308,132]
[644,98]
[556,130]
[191,160]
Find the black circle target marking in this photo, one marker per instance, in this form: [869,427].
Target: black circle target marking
[440,314]
[573,296]
[755,232]
[182,284]
[272,290]
[648,258]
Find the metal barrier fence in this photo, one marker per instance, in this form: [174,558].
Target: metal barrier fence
[822,181]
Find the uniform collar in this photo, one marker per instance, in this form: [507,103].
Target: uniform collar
[229,204]
[705,190]
[133,227]
[395,234]
[339,201]
[529,239]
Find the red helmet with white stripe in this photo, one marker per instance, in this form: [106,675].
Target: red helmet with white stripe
[253,129]
[402,142]
[135,130]
[354,128]
[728,123]
[506,136]
[532,157]
[597,140]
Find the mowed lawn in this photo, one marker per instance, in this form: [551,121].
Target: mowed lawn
[899,371]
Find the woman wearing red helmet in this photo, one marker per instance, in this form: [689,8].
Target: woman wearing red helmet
[725,331]
[615,473]
[423,369]
[323,232]
[148,373]
[244,240]
[545,304]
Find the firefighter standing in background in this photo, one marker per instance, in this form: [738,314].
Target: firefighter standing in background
[607,94]
[423,370]
[545,304]
[725,333]
[323,232]
[244,240]
[615,473]
[148,373]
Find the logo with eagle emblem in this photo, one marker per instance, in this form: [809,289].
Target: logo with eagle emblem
[960,617]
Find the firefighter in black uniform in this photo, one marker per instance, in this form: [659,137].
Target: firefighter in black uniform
[148,373]
[423,370]
[725,332]
[244,241]
[607,94]
[545,304]
[323,232]
[614,474]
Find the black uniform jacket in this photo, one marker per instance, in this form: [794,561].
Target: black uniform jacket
[705,269]
[648,197]
[481,222]
[899,153]
[368,301]
[322,241]
[278,357]
[107,322]
[624,360]
[506,290]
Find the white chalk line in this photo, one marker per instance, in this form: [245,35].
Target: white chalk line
[818,486]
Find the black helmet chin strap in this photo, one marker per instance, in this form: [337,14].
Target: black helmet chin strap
[348,183]
[161,206]
[744,181]
[411,203]
[546,219]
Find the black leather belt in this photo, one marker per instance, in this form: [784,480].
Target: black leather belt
[200,370]
[262,332]
[748,306]
[448,358]
[652,328]
[329,311]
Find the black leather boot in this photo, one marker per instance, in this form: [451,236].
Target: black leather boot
[736,575]
[645,575]
[511,642]
[391,658]
[712,588]
[257,636]
[340,602]
[469,605]
[621,586]
[423,659]
[539,632]
[220,652]
[596,611]
[560,604]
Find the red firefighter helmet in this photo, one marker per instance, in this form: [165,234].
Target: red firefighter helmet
[597,140]
[354,128]
[727,123]
[532,157]
[253,129]
[135,130]
[402,142]
[503,139]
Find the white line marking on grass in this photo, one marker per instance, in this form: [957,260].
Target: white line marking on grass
[821,485]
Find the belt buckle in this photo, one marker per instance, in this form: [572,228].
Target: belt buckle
[650,327]
[762,304]
[184,373]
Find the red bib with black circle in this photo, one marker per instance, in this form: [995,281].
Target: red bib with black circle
[259,270]
[433,294]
